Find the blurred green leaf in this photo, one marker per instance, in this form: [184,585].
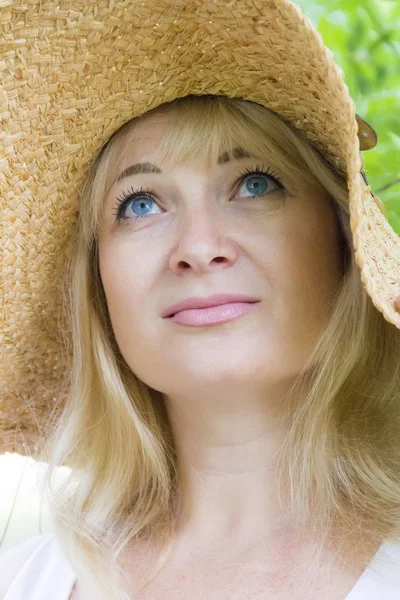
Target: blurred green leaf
[365,41]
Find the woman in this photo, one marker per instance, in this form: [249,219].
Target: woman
[229,447]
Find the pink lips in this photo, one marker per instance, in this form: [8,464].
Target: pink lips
[199,317]
[207,311]
[198,302]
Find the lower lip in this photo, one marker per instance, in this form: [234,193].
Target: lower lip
[200,317]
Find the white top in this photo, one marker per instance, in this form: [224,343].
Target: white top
[46,574]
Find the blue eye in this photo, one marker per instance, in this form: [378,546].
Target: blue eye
[143,198]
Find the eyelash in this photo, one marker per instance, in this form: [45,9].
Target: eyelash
[132,194]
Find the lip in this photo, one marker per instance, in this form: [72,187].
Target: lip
[213,315]
[198,302]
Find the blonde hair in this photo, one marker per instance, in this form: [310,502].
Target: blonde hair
[339,465]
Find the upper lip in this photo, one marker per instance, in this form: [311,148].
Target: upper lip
[197,302]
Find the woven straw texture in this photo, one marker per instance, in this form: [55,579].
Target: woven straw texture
[72,73]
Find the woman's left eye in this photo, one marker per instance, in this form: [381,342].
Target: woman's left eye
[146,196]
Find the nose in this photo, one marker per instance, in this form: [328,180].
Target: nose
[203,241]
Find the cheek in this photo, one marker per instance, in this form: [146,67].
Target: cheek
[126,277]
[311,263]
[127,294]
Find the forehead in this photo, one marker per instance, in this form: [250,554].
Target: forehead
[142,143]
[144,136]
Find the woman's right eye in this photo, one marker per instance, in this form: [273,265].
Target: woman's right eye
[147,196]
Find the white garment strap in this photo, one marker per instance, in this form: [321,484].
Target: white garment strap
[46,575]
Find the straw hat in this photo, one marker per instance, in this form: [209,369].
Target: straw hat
[74,72]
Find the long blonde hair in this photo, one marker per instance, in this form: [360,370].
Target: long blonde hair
[339,465]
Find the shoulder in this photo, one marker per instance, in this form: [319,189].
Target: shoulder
[12,560]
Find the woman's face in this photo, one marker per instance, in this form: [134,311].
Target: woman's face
[205,234]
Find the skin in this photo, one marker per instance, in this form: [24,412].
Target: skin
[224,385]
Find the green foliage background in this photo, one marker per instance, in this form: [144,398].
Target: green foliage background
[365,40]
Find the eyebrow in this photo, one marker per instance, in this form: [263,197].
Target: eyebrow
[147,167]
